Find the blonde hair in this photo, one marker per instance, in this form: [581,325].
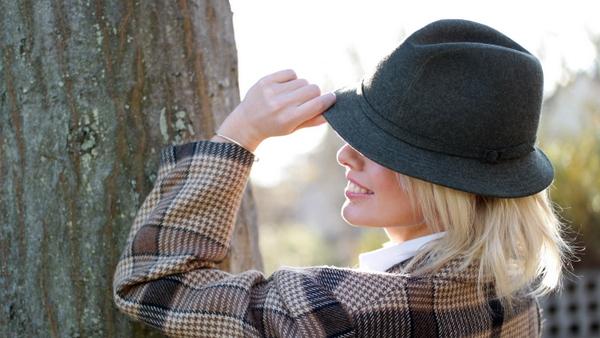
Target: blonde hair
[518,242]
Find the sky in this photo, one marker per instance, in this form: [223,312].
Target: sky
[324,41]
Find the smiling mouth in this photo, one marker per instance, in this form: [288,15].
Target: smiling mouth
[357,190]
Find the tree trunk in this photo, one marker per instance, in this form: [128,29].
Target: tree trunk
[90,91]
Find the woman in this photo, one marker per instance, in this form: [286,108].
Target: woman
[440,152]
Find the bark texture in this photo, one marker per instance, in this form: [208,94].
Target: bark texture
[90,91]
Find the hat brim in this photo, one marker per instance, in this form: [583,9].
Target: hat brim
[508,179]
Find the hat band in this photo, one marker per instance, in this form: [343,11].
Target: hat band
[486,155]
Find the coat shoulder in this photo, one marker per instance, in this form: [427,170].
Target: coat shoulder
[445,303]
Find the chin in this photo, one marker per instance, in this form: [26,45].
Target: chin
[355,218]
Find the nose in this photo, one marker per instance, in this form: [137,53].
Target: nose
[347,156]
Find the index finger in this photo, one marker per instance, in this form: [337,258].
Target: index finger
[315,106]
[281,76]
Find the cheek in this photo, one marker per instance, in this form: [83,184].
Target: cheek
[387,188]
[392,203]
[392,207]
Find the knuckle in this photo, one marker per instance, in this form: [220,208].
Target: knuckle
[315,89]
[268,91]
[273,104]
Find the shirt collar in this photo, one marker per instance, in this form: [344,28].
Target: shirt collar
[392,253]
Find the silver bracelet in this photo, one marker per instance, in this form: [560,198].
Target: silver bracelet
[236,142]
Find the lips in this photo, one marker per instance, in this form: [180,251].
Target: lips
[358,184]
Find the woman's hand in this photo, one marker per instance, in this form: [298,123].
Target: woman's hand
[276,105]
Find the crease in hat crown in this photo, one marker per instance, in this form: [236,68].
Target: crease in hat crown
[454,88]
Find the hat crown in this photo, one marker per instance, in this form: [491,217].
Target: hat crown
[458,87]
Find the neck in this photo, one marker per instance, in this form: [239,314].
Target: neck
[403,233]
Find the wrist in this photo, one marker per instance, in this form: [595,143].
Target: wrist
[240,135]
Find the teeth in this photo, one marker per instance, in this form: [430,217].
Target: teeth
[354,188]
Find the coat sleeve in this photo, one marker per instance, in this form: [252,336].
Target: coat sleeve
[166,275]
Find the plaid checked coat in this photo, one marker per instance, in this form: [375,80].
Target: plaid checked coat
[166,275]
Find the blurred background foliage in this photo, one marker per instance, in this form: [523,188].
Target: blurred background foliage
[300,221]
[576,189]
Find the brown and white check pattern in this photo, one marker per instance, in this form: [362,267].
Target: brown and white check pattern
[166,276]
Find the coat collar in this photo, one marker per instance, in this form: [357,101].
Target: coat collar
[393,253]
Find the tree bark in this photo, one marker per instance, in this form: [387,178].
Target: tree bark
[90,91]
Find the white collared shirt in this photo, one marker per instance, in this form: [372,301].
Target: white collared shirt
[393,253]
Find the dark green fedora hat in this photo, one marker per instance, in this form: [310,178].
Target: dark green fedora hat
[457,103]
